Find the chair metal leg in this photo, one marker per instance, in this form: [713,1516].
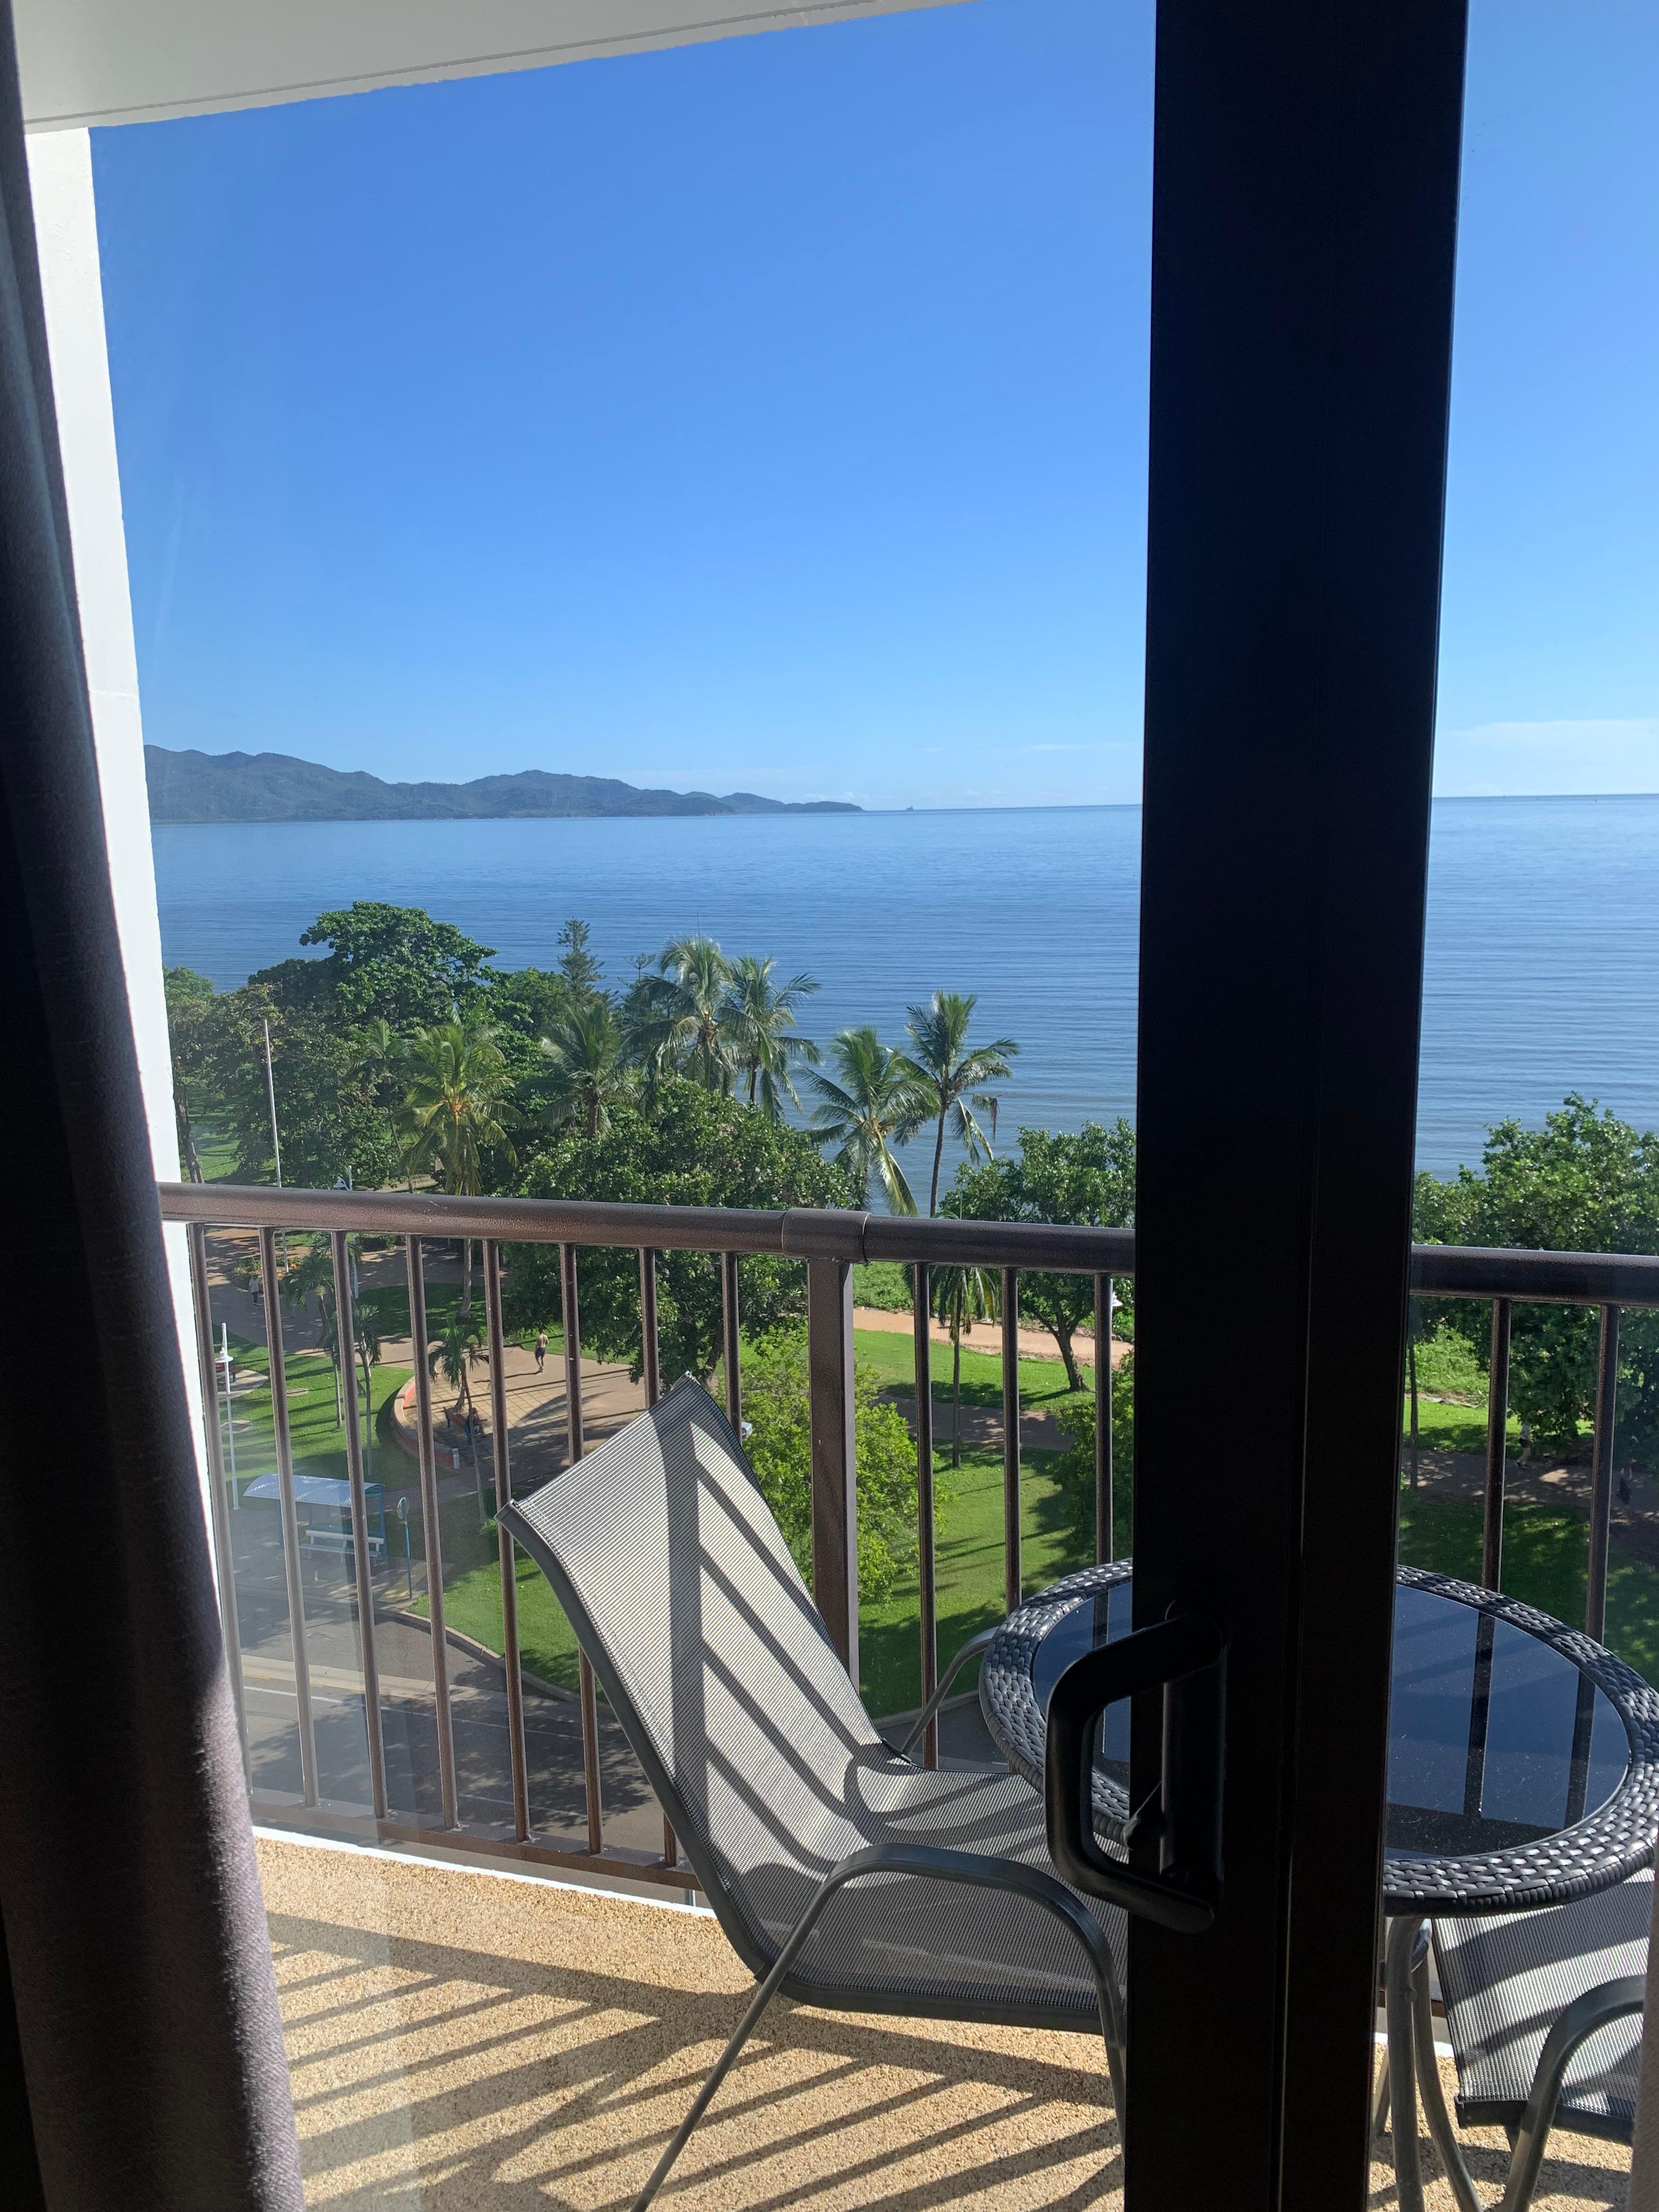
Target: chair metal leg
[1595,2008]
[1434,2097]
[1403,1933]
[970,1649]
[930,1863]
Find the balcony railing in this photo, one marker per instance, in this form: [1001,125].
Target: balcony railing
[830,1244]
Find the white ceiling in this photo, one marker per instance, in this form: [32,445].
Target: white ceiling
[135,61]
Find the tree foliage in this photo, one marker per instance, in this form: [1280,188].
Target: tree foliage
[1586,1181]
[951,1076]
[691,1147]
[1073,1471]
[392,963]
[871,1103]
[1083,1175]
[777,1410]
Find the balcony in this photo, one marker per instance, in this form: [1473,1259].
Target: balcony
[466,2038]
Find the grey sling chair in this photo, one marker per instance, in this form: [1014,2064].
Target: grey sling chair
[842,1874]
[1544,2016]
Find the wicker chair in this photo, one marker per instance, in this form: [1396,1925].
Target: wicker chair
[1544,2016]
[843,1875]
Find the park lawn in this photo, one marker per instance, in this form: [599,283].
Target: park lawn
[318,1438]
[891,1358]
[968,1546]
[1546,1551]
[1449,1427]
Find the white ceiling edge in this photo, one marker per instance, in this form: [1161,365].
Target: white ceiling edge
[96,62]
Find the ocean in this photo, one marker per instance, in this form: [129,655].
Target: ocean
[1542,970]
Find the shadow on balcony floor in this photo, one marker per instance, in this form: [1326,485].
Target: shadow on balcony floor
[460,2042]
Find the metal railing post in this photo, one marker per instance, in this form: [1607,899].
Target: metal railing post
[834,1455]
[1012,1579]
[1497,1432]
[570,1301]
[224,1559]
[651,1376]
[345,1345]
[432,1535]
[276,1356]
[926,1571]
[509,1556]
[731,1340]
[1607,1409]
[1103,1530]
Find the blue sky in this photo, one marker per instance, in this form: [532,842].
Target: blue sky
[771,413]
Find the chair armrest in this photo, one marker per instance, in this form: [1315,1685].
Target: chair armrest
[970,1649]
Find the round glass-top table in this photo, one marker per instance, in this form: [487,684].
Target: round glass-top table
[1523,1772]
[1524,1757]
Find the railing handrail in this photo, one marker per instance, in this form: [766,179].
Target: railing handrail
[1453,1271]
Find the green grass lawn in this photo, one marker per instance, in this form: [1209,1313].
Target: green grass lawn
[969,1569]
[1545,1552]
[318,1440]
[891,1357]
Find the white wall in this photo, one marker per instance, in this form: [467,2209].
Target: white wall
[66,227]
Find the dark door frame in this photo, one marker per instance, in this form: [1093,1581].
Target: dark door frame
[1305,223]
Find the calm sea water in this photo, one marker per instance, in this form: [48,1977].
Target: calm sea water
[1543,946]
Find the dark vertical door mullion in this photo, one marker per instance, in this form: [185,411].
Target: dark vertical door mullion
[1600,1530]
[1304,211]
[1104,1542]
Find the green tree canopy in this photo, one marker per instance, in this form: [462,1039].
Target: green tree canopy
[331,1124]
[1083,1175]
[394,964]
[585,1072]
[697,1147]
[192,1028]
[777,1407]
[1585,1181]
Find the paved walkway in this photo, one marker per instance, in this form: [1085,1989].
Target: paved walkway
[986,1336]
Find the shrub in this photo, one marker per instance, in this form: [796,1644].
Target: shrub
[1073,1470]
[777,1412]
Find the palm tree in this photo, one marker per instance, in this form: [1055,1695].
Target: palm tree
[587,1071]
[952,1078]
[673,1017]
[962,1296]
[875,1105]
[455,1109]
[377,1059]
[457,1347]
[758,1022]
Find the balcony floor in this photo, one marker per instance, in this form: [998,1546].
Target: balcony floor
[460,2042]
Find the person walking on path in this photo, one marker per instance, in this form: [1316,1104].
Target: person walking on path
[541,1349]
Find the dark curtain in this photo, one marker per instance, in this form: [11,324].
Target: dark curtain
[141,2055]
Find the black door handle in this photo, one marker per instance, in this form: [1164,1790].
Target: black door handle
[1188,1657]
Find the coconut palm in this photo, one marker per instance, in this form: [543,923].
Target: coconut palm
[951,1077]
[757,1020]
[375,1064]
[455,1109]
[673,1016]
[457,1347]
[875,1104]
[587,1074]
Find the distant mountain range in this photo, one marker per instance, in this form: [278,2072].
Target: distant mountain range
[192,786]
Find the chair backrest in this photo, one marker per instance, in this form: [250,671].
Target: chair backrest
[682,1593]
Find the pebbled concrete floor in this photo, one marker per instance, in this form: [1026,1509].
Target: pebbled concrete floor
[462,2041]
